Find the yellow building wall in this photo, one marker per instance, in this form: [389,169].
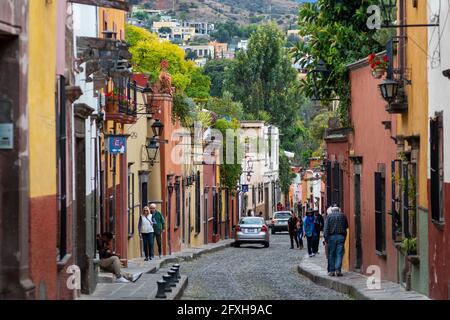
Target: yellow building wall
[415,122]
[115,21]
[41,98]
[136,154]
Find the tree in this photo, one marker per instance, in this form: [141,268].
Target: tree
[216,70]
[263,78]
[226,106]
[165,30]
[230,173]
[285,173]
[338,35]
[199,86]
[148,52]
[140,15]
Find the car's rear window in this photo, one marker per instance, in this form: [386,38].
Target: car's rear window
[251,221]
[282,215]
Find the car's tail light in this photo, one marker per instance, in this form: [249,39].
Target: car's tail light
[237,229]
[264,229]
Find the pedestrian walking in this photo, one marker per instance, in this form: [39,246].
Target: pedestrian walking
[299,233]
[292,228]
[146,232]
[159,225]
[308,230]
[335,233]
[279,206]
[318,227]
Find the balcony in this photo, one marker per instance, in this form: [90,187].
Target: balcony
[120,109]
[400,104]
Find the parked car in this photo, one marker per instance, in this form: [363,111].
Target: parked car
[251,230]
[280,221]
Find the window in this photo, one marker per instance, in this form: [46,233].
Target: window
[62,169]
[380,208]
[437,168]
[130,204]
[396,201]
[215,218]
[336,196]
[329,186]
[177,202]
[144,193]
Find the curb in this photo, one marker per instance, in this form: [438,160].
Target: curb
[332,284]
[192,256]
[360,293]
[181,290]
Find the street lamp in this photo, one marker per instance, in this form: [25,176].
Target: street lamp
[318,73]
[157,128]
[249,170]
[387,11]
[152,150]
[389,89]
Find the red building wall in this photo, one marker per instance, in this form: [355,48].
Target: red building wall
[439,251]
[371,141]
[209,180]
[338,151]
[170,168]
[43,246]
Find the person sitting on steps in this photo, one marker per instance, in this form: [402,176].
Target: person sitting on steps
[110,261]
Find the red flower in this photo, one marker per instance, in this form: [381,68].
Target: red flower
[371,57]
[385,58]
[377,62]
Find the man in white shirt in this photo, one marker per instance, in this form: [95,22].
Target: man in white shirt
[146,232]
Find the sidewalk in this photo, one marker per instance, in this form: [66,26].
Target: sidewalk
[352,283]
[146,287]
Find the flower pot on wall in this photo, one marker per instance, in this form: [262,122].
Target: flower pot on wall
[378,73]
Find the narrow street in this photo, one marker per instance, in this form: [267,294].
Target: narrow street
[253,272]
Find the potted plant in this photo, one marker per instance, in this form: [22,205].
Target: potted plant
[378,65]
[409,246]
[112,102]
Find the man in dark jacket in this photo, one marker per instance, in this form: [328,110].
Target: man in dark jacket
[335,233]
[159,226]
[318,227]
[292,228]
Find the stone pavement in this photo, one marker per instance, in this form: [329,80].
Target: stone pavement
[352,283]
[146,287]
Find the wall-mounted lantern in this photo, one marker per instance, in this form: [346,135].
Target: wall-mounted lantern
[152,151]
[389,90]
[157,128]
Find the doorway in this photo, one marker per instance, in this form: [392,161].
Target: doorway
[358,223]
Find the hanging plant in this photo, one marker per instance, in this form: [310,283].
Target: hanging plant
[378,65]
[409,246]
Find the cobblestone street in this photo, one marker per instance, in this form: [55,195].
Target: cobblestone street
[253,272]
